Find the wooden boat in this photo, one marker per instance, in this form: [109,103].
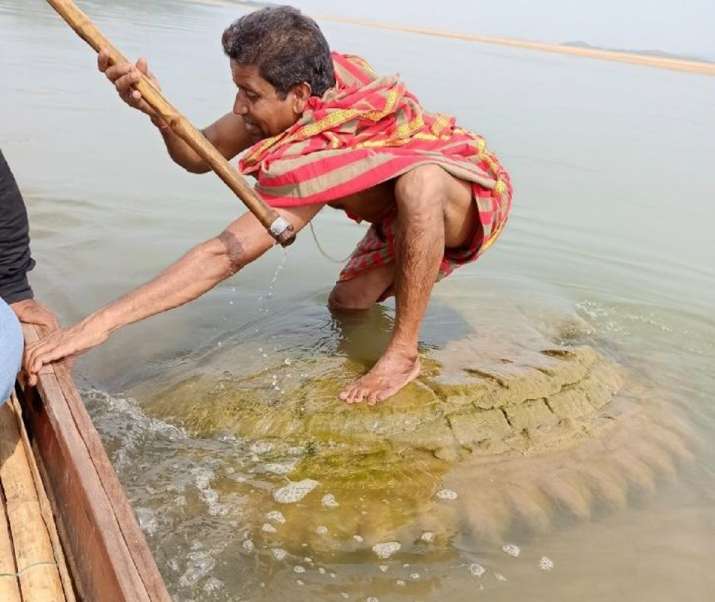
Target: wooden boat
[67,530]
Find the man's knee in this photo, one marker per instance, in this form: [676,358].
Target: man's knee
[10,350]
[342,299]
[422,190]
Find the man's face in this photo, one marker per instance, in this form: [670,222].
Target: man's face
[264,112]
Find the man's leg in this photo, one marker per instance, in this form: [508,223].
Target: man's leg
[363,291]
[10,350]
[422,197]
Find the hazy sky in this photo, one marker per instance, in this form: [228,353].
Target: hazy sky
[684,26]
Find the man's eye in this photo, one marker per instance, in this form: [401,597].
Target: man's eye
[251,95]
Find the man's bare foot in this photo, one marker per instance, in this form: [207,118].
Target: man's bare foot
[392,372]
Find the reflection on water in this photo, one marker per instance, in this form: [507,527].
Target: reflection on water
[609,246]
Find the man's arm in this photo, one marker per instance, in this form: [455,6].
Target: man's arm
[15,259]
[228,133]
[195,273]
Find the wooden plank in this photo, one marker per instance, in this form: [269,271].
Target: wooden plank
[45,507]
[34,557]
[105,546]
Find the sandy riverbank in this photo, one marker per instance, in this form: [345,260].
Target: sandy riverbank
[673,64]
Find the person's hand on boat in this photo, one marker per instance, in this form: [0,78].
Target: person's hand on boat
[33,312]
[125,77]
[61,344]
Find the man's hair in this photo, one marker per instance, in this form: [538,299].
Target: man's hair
[287,47]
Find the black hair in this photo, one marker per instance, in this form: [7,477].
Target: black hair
[287,47]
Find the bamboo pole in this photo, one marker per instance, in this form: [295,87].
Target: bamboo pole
[9,587]
[277,226]
[34,557]
[45,507]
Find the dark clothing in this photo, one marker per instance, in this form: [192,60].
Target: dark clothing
[15,259]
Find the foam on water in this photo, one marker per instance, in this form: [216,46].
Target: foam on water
[294,492]
[329,501]
[477,569]
[511,549]
[546,564]
[387,549]
[276,516]
[447,494]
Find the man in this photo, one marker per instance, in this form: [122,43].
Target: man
[323,128]
[16,298]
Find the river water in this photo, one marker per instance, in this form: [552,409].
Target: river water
[612,227]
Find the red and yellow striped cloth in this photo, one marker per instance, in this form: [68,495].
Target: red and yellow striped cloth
[365,131]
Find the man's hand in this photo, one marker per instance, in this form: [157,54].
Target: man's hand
[62,344]
[32,312]
[125,76]
[197,272]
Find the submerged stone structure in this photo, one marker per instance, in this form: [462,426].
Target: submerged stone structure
[497,434]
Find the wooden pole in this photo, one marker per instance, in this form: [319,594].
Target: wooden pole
[277,226]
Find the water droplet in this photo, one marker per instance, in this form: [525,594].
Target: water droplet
[358,538]
[298,569]
[415,576]
[427,537]
[500,577]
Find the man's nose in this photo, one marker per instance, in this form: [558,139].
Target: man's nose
[239,106]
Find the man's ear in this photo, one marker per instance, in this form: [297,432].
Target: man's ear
[301,93]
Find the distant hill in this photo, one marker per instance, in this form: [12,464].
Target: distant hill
[657,53]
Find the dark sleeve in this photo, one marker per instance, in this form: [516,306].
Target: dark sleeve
[15,259]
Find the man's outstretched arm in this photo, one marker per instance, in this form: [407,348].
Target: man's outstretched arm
[197,272]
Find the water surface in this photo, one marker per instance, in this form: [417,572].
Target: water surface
[612,226]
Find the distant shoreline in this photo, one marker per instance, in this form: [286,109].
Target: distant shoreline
[653,59]
[581,50]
